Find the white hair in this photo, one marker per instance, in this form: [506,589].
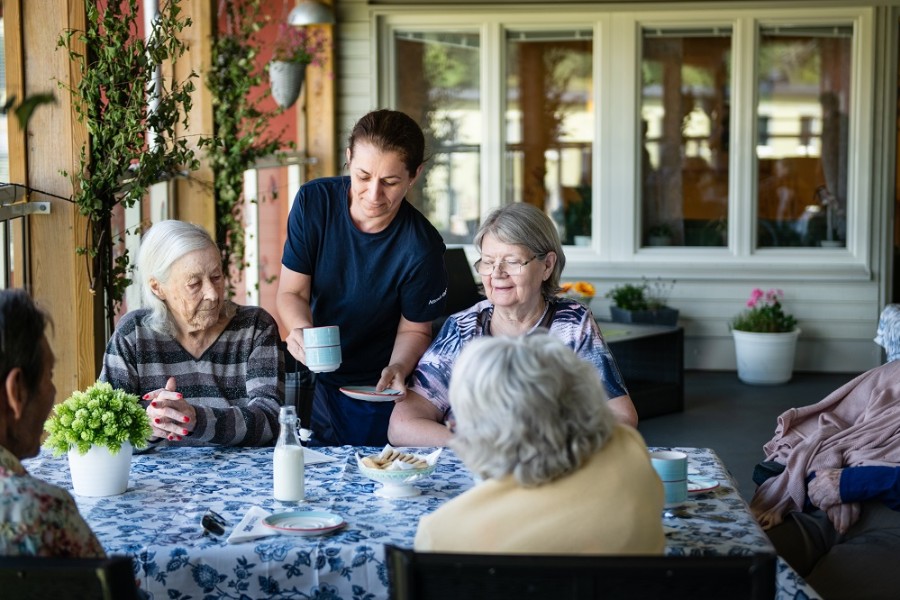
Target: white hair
[162,245]
[527,406]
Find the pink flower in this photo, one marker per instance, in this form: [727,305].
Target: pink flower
[755,295]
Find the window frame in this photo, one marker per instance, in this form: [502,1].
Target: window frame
[616,244]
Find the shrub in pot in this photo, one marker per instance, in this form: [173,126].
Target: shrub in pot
[643,303]
[98,429]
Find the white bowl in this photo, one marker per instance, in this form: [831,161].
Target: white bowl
[396,483]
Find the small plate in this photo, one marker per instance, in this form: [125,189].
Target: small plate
[368,393]
[697,485]
[304,522]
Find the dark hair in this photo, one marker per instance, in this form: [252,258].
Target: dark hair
[22,324]
[391,131]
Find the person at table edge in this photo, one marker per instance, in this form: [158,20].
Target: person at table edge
[520,266]
[36,518]
[209,371]
[360,256]
[560,476]
[829,490]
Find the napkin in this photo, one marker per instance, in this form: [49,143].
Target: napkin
[251,526]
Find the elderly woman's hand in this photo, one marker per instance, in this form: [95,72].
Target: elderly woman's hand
[171,416]
[825,489]
[843,516]
[392,377]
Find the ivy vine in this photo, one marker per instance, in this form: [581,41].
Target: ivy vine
[118,164]
[242,132]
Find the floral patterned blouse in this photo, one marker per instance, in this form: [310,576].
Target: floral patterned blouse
[40,519]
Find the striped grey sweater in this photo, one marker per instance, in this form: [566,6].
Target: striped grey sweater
[236,387]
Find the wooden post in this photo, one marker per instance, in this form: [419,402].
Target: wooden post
[60,281]
[320,110]
[194,200]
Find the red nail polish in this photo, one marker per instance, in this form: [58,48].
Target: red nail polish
[145,396]
[187,419]
[156,421]
[184,431]
[153,404]
[171,438]
[179,396]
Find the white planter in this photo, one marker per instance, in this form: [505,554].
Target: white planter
[765,358]
[99,473]
[287,80]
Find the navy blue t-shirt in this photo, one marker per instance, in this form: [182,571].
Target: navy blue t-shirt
[363,282]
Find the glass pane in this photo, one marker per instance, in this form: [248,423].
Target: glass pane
[550,126]
[437,84]
[685,96]
[802,124]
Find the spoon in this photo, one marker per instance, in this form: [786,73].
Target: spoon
[682,514]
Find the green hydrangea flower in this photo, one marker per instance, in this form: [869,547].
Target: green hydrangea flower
[98,416]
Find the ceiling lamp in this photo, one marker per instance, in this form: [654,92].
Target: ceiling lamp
[310,12]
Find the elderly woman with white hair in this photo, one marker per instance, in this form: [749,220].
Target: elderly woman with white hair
[560,475]
[210,371]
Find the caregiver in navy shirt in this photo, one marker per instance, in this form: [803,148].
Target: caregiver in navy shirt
[359,256]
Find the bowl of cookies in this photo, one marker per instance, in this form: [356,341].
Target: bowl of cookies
[397,470]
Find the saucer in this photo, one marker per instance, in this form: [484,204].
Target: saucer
[304,522]
[697,485]
[368,393]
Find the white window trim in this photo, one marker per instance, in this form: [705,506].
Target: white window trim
[616,249]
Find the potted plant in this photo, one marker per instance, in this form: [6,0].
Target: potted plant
[98,429]
[765,339]
[659,235]
[295,47]
[643,303]
[582,291]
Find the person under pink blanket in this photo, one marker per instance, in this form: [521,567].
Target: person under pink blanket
[834,512]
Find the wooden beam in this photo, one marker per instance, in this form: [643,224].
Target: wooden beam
[60,281]
[321,144]
[194,198]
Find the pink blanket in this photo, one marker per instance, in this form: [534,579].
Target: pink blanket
[857,424]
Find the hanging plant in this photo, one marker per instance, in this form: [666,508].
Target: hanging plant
[294,48]
[121,98]
[241,125]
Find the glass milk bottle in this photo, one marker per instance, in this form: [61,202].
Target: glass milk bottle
[288,459]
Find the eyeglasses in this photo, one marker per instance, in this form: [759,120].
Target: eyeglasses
[213,523]
[510,267]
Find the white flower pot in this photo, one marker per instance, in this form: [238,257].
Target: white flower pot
[99,473]
[765,358]
[287,80]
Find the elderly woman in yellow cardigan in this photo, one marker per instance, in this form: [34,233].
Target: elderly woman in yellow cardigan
[560,475]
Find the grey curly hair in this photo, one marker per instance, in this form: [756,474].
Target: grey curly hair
[527,406]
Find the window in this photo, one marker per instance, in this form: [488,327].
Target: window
[803,86]
[440,88]
[731,131]
[685,120]
[549,126]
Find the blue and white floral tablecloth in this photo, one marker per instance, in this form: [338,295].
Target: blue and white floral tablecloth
[157,521]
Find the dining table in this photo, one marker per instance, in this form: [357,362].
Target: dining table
[157,522]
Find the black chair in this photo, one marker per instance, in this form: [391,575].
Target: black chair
[438,576]
[462,291]
[37,578]
[299,386]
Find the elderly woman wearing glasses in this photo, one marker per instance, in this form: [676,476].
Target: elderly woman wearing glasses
[520,267]
[528,423]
